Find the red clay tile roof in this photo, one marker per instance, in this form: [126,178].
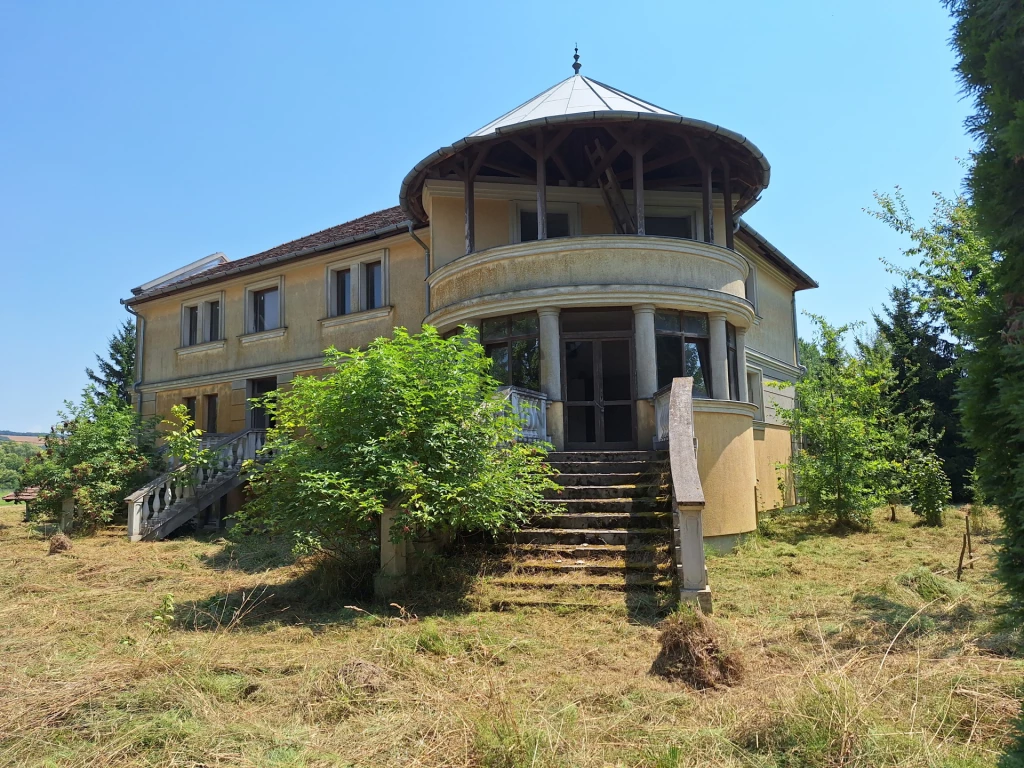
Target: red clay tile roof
[25,494]
[365,227]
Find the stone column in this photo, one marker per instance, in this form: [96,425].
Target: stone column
[719,357]
[392,577]
[741,364]
[646,374]
[551,371]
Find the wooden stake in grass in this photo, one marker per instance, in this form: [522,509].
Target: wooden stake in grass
[970,549]
[960,566]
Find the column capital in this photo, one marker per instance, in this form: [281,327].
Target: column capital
[548,311]
[717,316]
[640,309]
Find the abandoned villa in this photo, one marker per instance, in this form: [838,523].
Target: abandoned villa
[596,242]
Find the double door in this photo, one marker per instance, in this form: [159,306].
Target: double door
[600,399]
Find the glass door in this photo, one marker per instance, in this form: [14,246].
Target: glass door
[599,398]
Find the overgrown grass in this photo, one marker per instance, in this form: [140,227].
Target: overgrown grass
[859,650]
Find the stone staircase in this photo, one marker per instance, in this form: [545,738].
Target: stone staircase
[609,532]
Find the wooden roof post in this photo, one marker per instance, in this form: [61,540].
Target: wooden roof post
[542,189]
[730,235]
[470,209]
[638,188]
[705,169]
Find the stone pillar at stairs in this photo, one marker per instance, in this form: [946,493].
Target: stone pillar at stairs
[551,371]
[646,373]
[719,357]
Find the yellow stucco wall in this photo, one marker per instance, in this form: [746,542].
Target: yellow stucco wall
[771,445]
[773,334]
[726,464]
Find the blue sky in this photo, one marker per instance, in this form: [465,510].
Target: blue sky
[137,137]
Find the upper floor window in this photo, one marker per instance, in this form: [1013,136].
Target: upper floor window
[358,284]
[266,309]
[682,348]
[669,226]
[733,358]
[512,343]
[755,392]
[201,321]
[562,219]
[750,285]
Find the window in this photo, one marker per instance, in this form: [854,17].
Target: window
[513,345]
[191,326]
[374,280]
[734,379]
[342,292]
[558,225]
[681,344]
[211,413]
[201,322]
[750,286]
[190,405]
[357,284]
[266,309]
[669,226]
[755,391]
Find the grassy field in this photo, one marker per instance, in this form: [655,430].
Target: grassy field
[860,650]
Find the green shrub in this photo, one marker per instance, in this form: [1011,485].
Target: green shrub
[930,491]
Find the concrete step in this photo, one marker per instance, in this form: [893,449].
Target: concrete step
[592,480]
[634,491]
[581,579]
[577,536]
[606,456]
[593,567]
[605,467]
[634,552]
[601,520]
[619,504]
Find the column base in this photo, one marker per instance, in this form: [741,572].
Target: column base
[556,425]
[702,597]
[646,428]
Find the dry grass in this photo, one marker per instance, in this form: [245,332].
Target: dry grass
[30,439]
[858,650]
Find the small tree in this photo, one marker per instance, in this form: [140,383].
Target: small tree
[184,440]
[98,454]
[836,418]
[930,491]
[411,424]
[116,378]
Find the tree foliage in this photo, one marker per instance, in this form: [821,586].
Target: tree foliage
[989,37]
[99,453]
[410,424]
[929,488]
[13,456]
[116,377]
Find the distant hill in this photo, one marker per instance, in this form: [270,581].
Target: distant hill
[22,437]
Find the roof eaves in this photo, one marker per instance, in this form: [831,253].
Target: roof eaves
[804,280]
[201,278]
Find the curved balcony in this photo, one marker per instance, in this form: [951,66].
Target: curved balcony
[591,270]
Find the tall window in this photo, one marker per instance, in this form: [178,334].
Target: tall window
[190,406]
[730,343]
[681,340]
[266,309]
[513,345]
[191,326]
[211,413]
[213,320]
[558,225]
[374,281]
[343,292]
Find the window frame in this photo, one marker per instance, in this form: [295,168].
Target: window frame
[519,207]
[250,313]
[202,306]
[674,212]
[508,339]
[685,338]
[755,391]
[750,286]
[356,265]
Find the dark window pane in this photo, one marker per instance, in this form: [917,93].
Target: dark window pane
[618,423]
[695,324]
[211,413]
[499,361]
[668,226]
[526,363]
[582,424]
[579,370]
[527,226]
[190,404]
[259,418]
[558,224]
[343,288]
[697,366]
[615,370]
[597,320]
[733,360]
[669,350]
[667,321]
[192,332]
[266,309]
[494,328]
[523,325]
[214,320]
[374,286]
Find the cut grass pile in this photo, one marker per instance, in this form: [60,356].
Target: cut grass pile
[860,650]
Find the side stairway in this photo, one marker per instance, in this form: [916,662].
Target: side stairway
[610,532]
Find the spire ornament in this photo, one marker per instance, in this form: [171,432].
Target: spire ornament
[576,60]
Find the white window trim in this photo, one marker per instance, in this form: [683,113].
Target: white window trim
[203,303]
[696,222]
[755,395]
[357,299]
[518,207]
[250,319]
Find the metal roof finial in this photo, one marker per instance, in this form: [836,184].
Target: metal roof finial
[576,60]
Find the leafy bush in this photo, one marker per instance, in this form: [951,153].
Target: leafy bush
[930,491]
[99,453]
[411,424]
[13,456]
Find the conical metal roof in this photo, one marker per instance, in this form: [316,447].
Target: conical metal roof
[574,95]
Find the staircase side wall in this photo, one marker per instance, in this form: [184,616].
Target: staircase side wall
[726,463]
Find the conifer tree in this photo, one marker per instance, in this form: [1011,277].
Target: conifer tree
[116,378]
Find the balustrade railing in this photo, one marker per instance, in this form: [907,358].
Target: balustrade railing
[149,505]
[532,409]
